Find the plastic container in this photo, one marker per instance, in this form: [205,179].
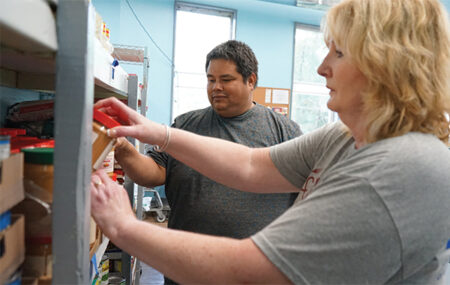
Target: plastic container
[104,264]
[116,279]
[38,168]
[102,144]
[5,147]
[38,256]
[5,220]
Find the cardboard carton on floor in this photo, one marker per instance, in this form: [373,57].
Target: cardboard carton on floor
[13,255]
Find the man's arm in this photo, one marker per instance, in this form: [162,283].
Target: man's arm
[140,168]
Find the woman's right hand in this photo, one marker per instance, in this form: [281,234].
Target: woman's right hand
[133,124]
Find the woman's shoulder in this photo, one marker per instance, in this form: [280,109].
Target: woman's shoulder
[406,158]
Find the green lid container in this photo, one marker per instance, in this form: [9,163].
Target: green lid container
[38,155]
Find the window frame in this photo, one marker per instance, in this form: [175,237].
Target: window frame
[201,9]
[316,88]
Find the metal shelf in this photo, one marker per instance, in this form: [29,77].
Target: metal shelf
[28,25]
[51,45]
[134,55]
[28,50]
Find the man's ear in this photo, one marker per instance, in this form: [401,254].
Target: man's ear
[251,81]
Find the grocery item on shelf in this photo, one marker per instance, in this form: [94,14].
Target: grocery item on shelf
[102,143]
[37,110]
[5,221]
[108,163]
[104,270]
[5,148]
[39,169]
[102,33]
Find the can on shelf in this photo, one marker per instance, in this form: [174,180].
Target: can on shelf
[38,168]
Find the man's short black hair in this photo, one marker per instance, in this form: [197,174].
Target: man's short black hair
[239,53]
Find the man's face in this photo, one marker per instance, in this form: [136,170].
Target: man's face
[228,94]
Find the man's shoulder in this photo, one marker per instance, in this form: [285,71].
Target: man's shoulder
[278,118]
[192,117]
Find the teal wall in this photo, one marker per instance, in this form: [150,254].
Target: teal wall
[447,4]
[157,16]
[267,26]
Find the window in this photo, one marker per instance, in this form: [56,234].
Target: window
[198,29]
[309,94]
[317,4]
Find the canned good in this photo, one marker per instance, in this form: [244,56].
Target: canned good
[38,168]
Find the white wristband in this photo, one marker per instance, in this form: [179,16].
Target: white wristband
[166,141]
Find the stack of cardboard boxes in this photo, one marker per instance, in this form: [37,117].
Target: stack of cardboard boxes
[12,233]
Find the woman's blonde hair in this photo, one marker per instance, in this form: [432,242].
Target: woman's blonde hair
[403,49]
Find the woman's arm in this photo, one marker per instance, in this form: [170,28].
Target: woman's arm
[234,165]
[182,256]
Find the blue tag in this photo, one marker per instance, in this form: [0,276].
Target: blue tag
[94,264]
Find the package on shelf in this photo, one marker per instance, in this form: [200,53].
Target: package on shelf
[102,143]
[12,132]
[21,142]
[34,117]
[5,147]
[36,207]
[103,34]
[11,182]
[38,257]
[37,110]
[5,221]
[13,248]
[38,228]
[108,163]
[103,270]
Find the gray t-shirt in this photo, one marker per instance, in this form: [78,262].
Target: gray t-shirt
[379,214]
[201,205]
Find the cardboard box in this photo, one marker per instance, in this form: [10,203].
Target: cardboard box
[11,183]
[13,240]
[26,280]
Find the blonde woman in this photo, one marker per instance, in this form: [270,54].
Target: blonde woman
[374,191]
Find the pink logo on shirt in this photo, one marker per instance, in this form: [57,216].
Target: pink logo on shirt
[310,183]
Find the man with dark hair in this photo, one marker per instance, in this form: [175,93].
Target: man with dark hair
[197,203]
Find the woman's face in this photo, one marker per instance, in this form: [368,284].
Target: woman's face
[345,82]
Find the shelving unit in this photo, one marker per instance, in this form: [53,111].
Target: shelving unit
[134,55]
[51,46]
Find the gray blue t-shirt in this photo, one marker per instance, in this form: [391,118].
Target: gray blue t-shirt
[378,214]
[201,205]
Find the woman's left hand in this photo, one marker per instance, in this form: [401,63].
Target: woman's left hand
[110,204]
